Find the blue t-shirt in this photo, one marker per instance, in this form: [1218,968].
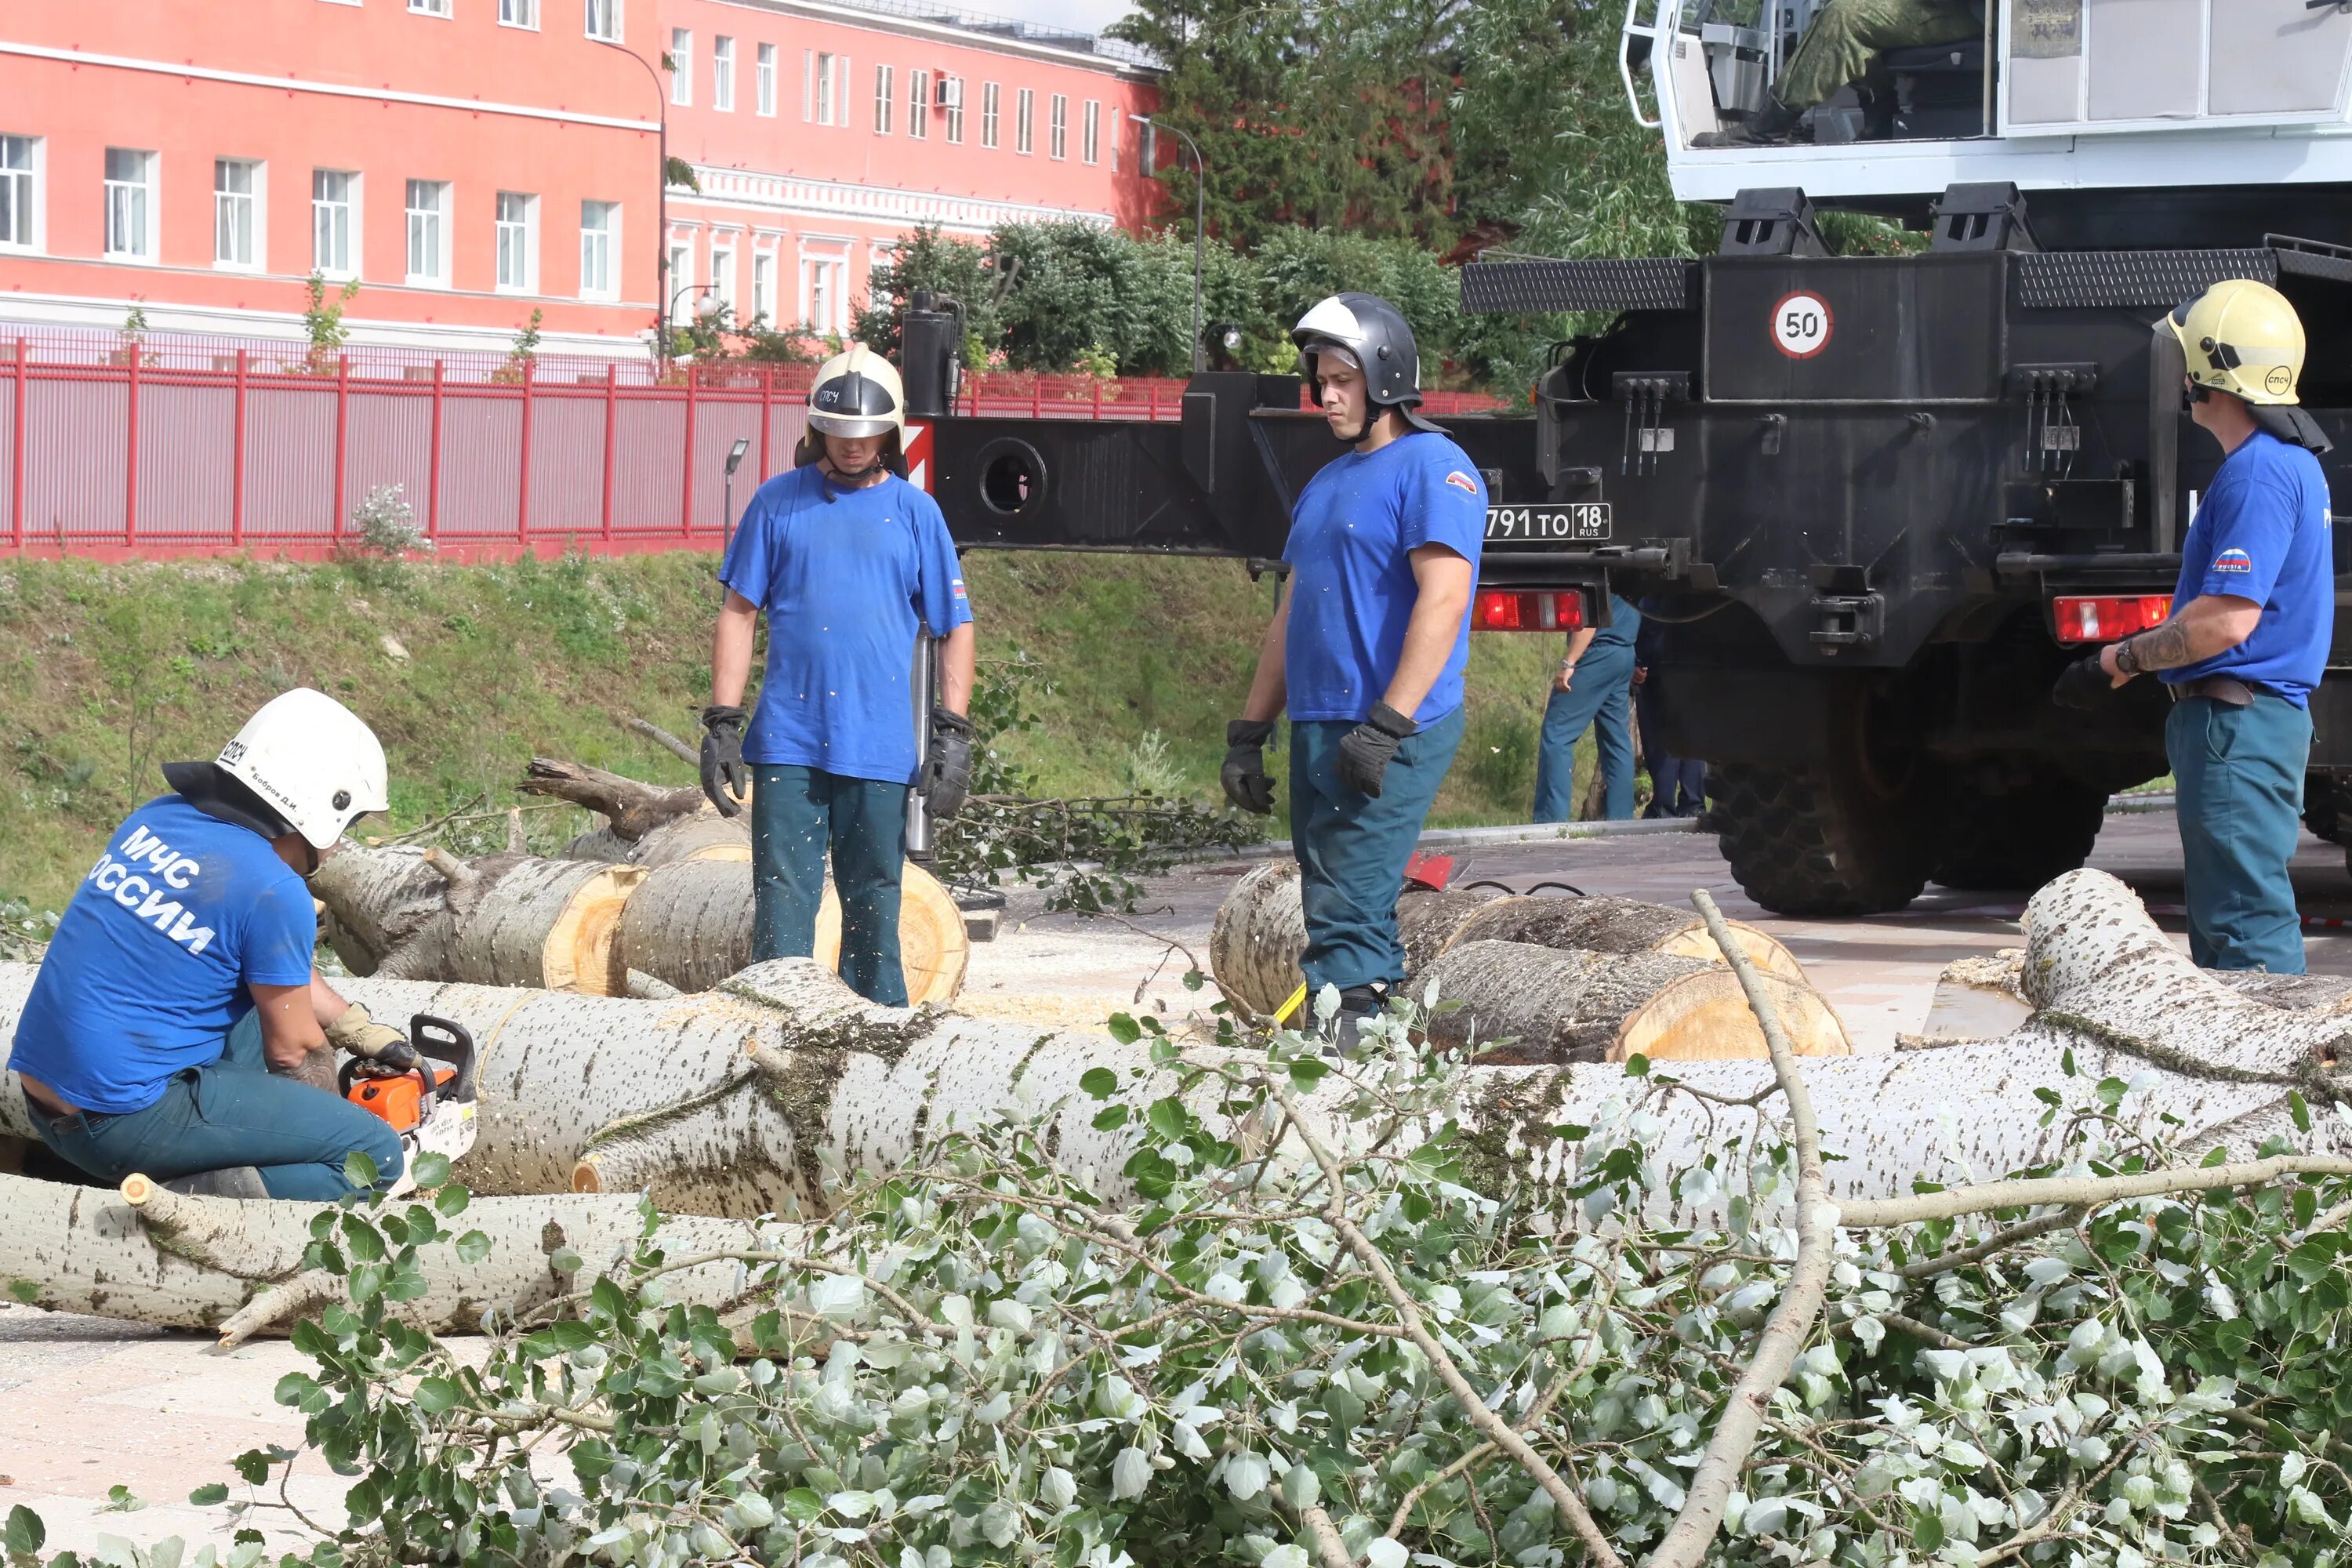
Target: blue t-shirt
[148,968]
[2262,534]
[1352,588]
[847,578]
[1624,627]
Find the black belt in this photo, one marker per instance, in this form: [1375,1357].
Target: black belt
[2226,690]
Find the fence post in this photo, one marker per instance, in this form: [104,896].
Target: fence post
[1037,398]
[685,489]
[433,479]
[612,394]
[130,458]
[236,464]
[522,474]
[767,416]
[18,532]
[342,428]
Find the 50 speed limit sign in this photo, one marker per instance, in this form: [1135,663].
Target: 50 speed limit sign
[1800,325]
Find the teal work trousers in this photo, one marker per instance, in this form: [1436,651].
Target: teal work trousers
[2237,773]
[1352,848]
[795,811]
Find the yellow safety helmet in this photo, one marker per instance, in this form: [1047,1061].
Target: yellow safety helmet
[857,392]
[2242,337]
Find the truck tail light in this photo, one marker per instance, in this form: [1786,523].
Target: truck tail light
[2105,617]
[1509,611]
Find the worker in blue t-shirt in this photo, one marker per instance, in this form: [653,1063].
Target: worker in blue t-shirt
[1367,649]
[2253,618]
[850,564]
[179,986]
[1593,689]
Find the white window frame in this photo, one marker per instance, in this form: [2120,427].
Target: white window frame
[951,107]
[322,210]
[606,11]
[245,208]
[680,303]
[722,273]
[514,219]
[20,174]
[885,87]
[825,278]
[992,98]
[681,66]
[432,222]
[763,81]
[722,73]
[133,207]
[1058,128]
[1090,131]
[523,14]
[600,250]
[821,81]
[918,104]
[441,9]
[1025,121]
[763,286]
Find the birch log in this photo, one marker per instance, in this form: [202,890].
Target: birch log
[1600,923]
[1524,1004]
[500,919]
[156,1256]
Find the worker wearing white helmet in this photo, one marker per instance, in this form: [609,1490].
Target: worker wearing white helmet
[850,564]
[179,983]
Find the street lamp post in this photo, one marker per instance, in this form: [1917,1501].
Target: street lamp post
[1200,231]
[661,188]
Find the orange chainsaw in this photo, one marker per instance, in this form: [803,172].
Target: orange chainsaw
[430,1106]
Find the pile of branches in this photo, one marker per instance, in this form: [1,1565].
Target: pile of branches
[1321,1350]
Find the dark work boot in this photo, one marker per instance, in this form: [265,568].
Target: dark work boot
[1775,123]
[1357,1004]
[232,1182]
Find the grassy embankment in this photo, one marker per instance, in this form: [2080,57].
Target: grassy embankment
[105,673]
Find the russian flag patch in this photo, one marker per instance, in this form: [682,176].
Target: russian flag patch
[1463,482]
[2233,560]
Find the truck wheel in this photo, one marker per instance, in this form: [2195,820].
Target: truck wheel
[1808,841]
[2019,839]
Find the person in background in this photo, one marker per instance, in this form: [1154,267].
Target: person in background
[1594,683]
[1678,785]
[1841,48]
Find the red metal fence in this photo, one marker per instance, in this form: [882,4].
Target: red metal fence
[111,446]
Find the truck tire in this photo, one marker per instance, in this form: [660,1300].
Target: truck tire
[2019,839]
[1808,841]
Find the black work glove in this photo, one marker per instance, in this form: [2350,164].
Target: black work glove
[947,770]
[1365,751]
[723,770]
[1243,776]
[2082,684]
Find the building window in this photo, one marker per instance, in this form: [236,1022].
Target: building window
[763,77]
[722,73]
[823,294]
[517,230]
[519,14]
[989,97]
[1091,137]
[918,104]
[681,269]
[19,195]
[722,276]
[681,66]
[600,239]
[333,199]
[882,91]
[1024,114]
[428,232]
[952,106]
[236,216]
[824,89]
[129,204]
[763,288]
[429,8]
[605,20]
[1061,126]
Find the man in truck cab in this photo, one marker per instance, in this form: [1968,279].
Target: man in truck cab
[1841,48]
[2252,616]
[179,990]
[1367,649]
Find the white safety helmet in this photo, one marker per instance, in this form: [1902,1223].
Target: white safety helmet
[857,392]
[312,761]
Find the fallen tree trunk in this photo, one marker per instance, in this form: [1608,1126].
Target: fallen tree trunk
[157,1256]
[501,919]
[1261,932]
[1524,1004]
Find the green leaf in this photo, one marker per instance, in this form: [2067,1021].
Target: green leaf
[1169,1118]
[25,1532]
[1305,1072]
[2066,1061]
[1124,1029]
[294,1388]
[24,1290]
[1100,1082]
[451,1201]
[2298,1109]
[1110,1116]
[1194,980]
[121,1498]
[473,1247]
[804,1506]
[564,1261]
[436,1395]
[359,1170]
[207,1496]
[252,1467]
[1637,1066]
[432,1169]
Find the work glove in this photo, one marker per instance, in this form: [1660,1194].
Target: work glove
[724,774]
[384,1049]
[1365,750]
[2082,684]
[1243,776]
[947,770]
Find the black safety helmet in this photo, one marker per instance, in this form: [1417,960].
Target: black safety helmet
[1376,335]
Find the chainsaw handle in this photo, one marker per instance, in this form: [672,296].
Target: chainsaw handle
[445,1040]
[350,1075]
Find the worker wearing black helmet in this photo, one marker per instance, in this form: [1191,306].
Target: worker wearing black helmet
[1368,648]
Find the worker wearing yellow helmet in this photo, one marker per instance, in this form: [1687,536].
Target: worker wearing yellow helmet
[2253,618]
[850,564]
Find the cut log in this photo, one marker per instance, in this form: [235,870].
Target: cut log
[502,919]
[689,925]
[1524,1004]
[156,1256]
[630,808]
[1261,932]
[710,837]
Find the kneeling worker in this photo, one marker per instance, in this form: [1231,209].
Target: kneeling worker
[849,562]
[2252,616]
[1367,647]
[179,985]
